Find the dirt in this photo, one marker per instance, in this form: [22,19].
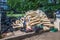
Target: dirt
[45,36]
[38,36]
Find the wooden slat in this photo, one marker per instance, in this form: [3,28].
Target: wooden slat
[31,13]
[35,23]
[45,28]
[46,22]
[49,25]
[16,26]
[34,18]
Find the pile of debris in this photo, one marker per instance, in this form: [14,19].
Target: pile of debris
[33,18]
[38,17]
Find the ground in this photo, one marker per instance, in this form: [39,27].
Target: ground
[35,36]
[45,36]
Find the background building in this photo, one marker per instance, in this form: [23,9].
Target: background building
[3,7]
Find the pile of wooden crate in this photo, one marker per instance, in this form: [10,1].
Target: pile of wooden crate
[34,18]
[17,24]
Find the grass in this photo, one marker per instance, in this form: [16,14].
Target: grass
[15,15]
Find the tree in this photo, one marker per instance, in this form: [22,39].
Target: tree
[24,5]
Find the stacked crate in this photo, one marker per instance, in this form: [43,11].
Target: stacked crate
[35,17]
[46,22]
[32,19]
[17,24]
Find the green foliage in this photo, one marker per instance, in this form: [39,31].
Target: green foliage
[15,15]
[25,5]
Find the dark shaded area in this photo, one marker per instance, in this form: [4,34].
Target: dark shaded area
[6,24]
